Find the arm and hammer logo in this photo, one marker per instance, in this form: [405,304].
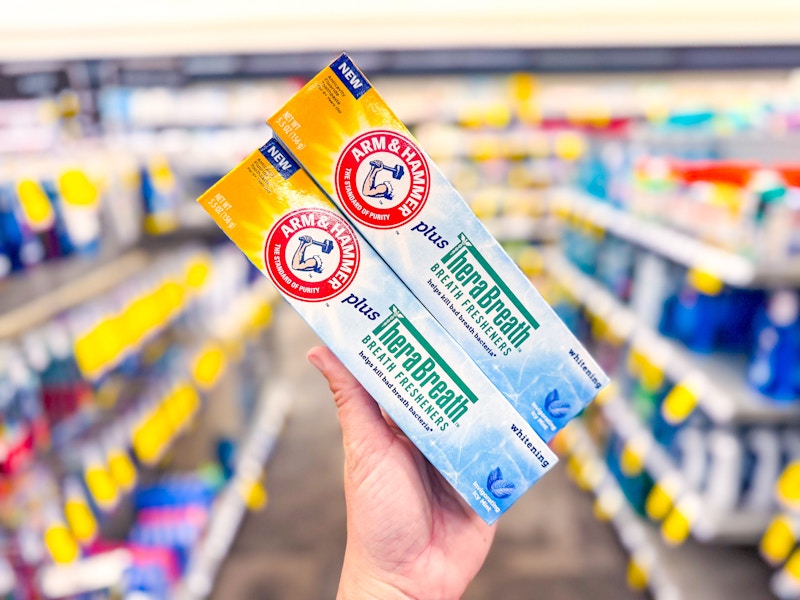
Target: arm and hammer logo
[312,254]
[382,179]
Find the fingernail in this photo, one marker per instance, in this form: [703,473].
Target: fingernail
[315,360]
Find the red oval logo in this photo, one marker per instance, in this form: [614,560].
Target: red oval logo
[382,179]
[312,254]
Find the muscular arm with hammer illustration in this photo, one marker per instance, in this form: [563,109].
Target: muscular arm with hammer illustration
[373,190]
[300,262]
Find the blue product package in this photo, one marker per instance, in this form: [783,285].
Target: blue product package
[11,233]
[773,369]
[160,196]
[66,245]
[178,491]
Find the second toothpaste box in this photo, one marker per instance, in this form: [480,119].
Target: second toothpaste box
[423,380]
[350,142]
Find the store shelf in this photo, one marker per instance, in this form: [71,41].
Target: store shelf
[707,524]
[686,572]
[230,508]
[87,575]
[637,537]
[510,229]
[719,381]
[29,299]
[681,248]
[107,570]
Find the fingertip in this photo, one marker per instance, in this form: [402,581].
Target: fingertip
[317,356]
[349,395]
[340,380]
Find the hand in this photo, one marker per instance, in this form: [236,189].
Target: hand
[305,239]
[409,534]
[378,164]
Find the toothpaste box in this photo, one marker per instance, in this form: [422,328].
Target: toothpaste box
[289,229]
[343,133]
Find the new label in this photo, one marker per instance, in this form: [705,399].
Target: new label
[382,179]
[312,254]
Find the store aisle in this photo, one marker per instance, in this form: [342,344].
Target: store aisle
[294,548]
[548,546]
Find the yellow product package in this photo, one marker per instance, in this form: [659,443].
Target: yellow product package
[294,235]
[342,132]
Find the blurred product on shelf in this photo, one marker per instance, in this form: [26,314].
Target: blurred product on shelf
[748,208]
[694,306]
[171,515]
[707,317]
[51,208]
[677,276]
[773,368]
[160,194]
[780,545]
[93,400]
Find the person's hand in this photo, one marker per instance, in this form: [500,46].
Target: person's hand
[409,534]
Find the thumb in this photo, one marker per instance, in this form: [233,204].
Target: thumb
[364,430]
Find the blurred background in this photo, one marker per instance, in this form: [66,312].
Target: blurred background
[161,434]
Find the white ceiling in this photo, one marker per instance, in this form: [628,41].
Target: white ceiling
[43,29]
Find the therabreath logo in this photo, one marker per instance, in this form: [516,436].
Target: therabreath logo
[484,297]
[419,370]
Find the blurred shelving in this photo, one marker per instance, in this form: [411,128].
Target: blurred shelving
[780,546]
[85,576]
[107,570]
[706,523]
[645,549]
[203,109]
[690,571]
[682,248]
[28,299]
[721,389]
[258,443]
[182,333]
[509,228]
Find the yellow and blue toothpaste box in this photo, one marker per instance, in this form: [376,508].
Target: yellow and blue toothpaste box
[345,136]
[273,211]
